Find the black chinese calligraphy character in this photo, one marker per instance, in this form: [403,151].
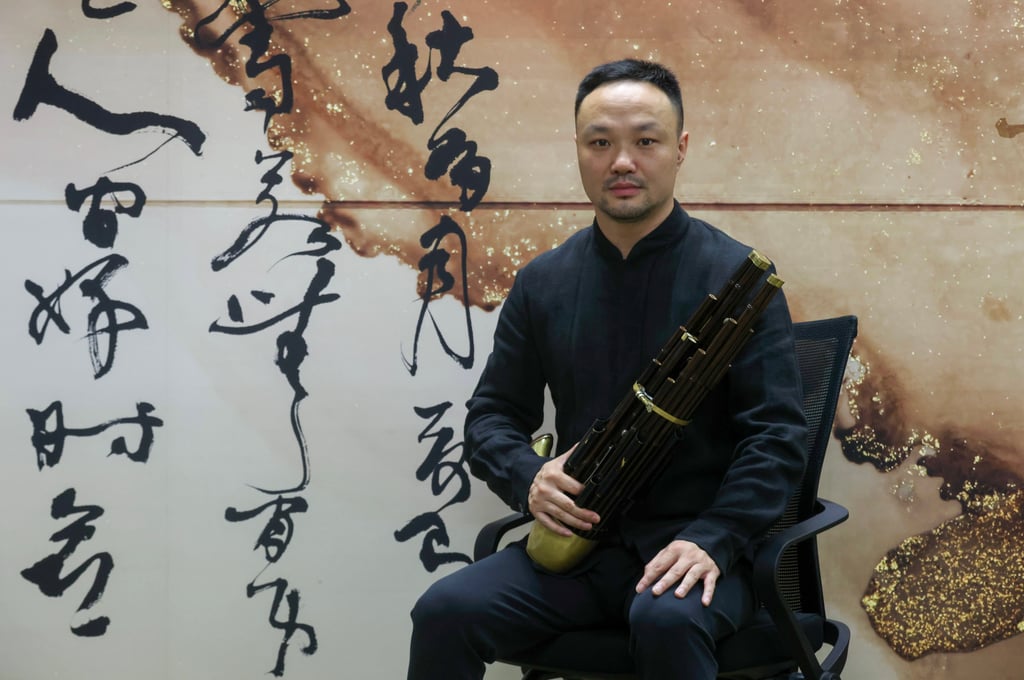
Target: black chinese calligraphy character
[106,309]
[292,350]
[258,228]
[42,88]
[100,224]
[452,151]
[277,533]
[472,174]
[289,625]
[404,88]
[440,281]
[258,42]
[442,472]
[49,433]
[106,12]
[46,573]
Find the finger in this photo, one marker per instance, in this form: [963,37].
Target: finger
[709,589]
[564,517]
[561,508]
[565,508]
[673,576]
[678,571]
[689,581]
[652,572]
[564,483]
[655,569]
[587,517]
[568,485]
[642,584]
[577,517]
[552,524]
[555,480]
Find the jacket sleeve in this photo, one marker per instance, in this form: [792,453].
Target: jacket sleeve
[766,419]
[507,406]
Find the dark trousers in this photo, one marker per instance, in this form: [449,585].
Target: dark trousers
[504,604]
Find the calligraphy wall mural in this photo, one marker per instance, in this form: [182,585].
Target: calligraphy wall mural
[253,253]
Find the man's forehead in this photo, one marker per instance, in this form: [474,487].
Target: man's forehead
[637,103]
[637,90]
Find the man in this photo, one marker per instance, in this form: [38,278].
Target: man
[583,320]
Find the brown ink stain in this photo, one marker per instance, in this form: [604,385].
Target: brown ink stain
[1007,130]
[996,309]
[955,588]
[367,162]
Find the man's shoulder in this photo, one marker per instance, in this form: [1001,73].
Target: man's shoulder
[715,245]
[561,254]
[713,235]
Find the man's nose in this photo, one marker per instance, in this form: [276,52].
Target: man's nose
[623,162]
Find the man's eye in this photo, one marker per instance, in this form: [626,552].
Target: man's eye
[600,142]
[646,141]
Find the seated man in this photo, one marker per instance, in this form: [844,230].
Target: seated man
[583,320]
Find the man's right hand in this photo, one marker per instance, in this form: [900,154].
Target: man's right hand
[551,501]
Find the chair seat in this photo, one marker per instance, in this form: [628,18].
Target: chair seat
[604,653]
[759,644]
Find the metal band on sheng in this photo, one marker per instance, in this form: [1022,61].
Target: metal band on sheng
[651,407]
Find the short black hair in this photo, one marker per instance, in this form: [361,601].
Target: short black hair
[633,69]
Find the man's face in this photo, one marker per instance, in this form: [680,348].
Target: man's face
[629,152]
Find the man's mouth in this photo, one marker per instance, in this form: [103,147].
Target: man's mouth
[624,189]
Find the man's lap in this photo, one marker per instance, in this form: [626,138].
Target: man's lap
[508,591]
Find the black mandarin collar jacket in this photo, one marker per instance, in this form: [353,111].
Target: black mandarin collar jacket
[583,321]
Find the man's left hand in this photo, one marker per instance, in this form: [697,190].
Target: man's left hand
[684,563]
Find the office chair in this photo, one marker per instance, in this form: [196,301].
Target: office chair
[783,638]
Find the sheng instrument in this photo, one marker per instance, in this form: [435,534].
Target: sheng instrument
[621,454]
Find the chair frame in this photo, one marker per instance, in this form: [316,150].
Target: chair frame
[787,558]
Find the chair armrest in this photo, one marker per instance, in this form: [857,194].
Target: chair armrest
[489,538]
[769,553]
[766,565]
[837,634]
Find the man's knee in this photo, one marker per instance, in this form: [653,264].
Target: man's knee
[444,602]
[666,616]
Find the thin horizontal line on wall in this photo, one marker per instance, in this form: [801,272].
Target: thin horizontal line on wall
[560,205]
[694,205]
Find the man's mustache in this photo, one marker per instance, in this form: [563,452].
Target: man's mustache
[625,179]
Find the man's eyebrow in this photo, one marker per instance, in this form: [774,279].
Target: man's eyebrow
[594,128]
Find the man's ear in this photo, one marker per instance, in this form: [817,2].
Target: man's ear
[684,140]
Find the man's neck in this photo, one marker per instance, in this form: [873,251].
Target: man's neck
[625,235]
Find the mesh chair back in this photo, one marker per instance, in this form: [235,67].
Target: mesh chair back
[822,349]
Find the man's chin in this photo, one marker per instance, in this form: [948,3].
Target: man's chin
[624,212]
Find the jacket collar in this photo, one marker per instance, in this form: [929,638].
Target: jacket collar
[664,235]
